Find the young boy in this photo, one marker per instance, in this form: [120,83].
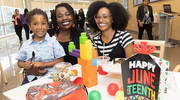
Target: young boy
[39,54]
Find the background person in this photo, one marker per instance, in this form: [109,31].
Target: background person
[24,24]
[76,17]
[110,20]
[145,19]
[81,19]
[17,24]
[52,19]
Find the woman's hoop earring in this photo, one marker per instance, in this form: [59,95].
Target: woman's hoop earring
[57,28]
[73,25]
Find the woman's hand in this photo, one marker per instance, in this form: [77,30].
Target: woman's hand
[152,25]
[140,24]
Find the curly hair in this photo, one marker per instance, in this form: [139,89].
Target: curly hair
[119,15]
[33,12]
[71,11]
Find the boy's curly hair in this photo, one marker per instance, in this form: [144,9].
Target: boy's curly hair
[33,12]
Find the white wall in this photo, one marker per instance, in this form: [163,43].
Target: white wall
[12,3]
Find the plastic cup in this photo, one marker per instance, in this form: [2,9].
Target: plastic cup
[103,60]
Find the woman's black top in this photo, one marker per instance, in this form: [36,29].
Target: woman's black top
[74,38]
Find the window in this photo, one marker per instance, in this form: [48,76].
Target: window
[2,30]
[1,20]
[8,12]
[9,29]
[6,26]
[1,23]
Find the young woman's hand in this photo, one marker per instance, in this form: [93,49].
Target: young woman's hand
[140,24]
[152,25]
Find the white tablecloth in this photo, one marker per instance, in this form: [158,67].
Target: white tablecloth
[173,82]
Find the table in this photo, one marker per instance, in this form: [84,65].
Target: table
[164,25]
[173,85]
[154,34]
[173,81]
[19,93]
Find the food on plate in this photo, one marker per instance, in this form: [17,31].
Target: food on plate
[73,72]
[119,60]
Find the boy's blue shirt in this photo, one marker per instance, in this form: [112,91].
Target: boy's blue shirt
[46,50]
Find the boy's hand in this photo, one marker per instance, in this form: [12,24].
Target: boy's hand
[28,65]
[36,72]
[37,64]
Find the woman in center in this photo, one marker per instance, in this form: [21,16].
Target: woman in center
[66,30]
[110,20]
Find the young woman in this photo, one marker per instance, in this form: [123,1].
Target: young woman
[81,19]
[110,20]
[47,50]
[66,30]
[145,19]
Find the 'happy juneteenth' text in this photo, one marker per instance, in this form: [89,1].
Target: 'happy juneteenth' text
[143,78]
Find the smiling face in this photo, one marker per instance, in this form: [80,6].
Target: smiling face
[17,12]
[104,19]
[146,2]
[39,26]
[64,18]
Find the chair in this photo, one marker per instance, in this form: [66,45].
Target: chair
[160,45]
[21,75]
[177,68]
[2,73]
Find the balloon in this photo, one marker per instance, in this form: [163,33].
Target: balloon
[113,88]
[119,95]
[94,95]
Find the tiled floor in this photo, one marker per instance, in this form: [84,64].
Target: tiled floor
[10,46]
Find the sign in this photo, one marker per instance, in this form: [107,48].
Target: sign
[141,76]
